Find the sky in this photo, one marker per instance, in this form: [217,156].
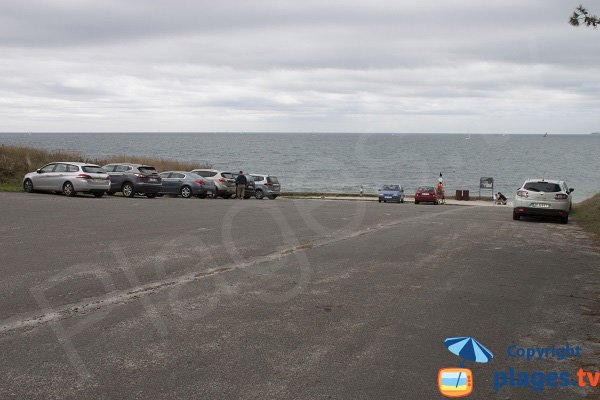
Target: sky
[298,66]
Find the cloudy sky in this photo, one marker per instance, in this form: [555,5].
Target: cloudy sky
[298,66]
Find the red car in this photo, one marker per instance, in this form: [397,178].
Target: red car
[426,194]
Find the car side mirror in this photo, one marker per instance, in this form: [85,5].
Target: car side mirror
[571,190]
[39,171]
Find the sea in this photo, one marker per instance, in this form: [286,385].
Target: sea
[345,162]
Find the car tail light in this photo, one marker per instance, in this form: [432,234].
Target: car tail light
[84,176]
[521,210]
[561,196]
[221,179]
[199,182]
[418,193]
[522,193]
[268,184]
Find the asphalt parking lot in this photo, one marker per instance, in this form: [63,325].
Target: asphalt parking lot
[174,298]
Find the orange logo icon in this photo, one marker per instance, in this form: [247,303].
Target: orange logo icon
[455,382]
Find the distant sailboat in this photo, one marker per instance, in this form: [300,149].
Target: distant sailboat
[546,134]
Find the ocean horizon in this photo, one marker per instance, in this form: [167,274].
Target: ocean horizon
[343,162]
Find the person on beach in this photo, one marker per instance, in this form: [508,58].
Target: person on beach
[500,199]
[440,192]
[240,185]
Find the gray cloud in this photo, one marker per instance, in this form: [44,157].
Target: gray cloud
[293,66]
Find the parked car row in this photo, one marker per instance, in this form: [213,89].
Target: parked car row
[71,178]
[395,194]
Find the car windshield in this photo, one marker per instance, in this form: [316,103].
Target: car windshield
[391,187]
[228,175]
[93,169]
[425,189]
[542,187]
[147,170]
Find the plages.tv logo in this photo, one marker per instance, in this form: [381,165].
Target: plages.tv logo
[458,382]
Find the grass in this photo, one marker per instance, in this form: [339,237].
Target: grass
[587,213]
[16,161]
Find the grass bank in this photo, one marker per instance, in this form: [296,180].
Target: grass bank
[587,213]
[16,161]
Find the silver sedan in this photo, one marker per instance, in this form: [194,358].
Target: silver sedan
[69,178]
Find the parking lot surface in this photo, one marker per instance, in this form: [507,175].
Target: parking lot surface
[288,299]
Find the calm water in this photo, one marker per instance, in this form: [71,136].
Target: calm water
[344,162]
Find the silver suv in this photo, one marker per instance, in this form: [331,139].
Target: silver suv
[133,178]
[68,178]
[224,181]
[266,185]
[543,197]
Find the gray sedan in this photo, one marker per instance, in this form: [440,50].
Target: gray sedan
[186,184]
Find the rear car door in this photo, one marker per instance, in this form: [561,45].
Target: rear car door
[57,177]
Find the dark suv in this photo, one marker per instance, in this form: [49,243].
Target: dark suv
[133,178]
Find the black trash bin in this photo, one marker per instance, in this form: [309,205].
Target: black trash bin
[465,195]
[458,195]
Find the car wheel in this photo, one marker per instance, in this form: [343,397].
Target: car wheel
[259,194]
[98,194]
[272,197]
[516,216]
[401,200]
[128,190]
[564,220]
[186,192]
[201,196]
[150,195]
[28,186]
[68,189]
[379,200]
[416,202]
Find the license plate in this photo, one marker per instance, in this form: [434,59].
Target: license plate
[100,180]
[152,180]
[540,205]
[388,197]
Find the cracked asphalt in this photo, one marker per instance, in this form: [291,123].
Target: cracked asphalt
[168,298]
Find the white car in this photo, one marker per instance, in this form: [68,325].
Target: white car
[543,197]
[69,178]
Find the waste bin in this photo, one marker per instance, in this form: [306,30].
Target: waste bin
[465,195]
[458,195]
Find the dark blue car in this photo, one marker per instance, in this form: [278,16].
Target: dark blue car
[392,193]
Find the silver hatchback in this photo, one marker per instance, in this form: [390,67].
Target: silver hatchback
[69,178]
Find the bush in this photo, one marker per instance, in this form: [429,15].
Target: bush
[16,161]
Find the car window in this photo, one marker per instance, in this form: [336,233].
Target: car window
[48,168]
[165,175]
[122,168]
[147,170]
[72,168]
[109,168]
[92,169]
[177,176]
[542,187]
[227,175]
[272,179]
[60,168]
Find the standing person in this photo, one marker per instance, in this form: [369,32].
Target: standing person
[361,191]
[240,185]
[440,192]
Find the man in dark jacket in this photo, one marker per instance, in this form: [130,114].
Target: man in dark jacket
[240,185]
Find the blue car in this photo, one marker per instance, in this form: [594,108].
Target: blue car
[392,193]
